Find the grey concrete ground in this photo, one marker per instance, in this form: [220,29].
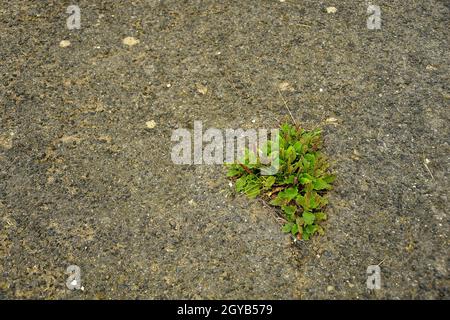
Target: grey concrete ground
[83,181]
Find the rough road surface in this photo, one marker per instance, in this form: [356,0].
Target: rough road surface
[85,181]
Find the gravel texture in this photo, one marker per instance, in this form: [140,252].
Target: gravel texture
[86,119]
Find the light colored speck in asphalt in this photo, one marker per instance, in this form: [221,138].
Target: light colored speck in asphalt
[331,120]
[64,43]
[331,10]
[150,124]
[285,86]
[130,41]
[5,141]
[202,89]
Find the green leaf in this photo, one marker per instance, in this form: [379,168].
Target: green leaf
[234,172]
[308,217]
[321,201]
[290,168]
[288,194]
[289,180]
[300,200]
[312,202]
[311,158]
[311,229]
[305,178]
[320,230]
[269,182]
[300,161]
[306,163]
[320,216]
[290,154]
[281,143]
[329,179]
[289,210]
[294,229]
[287,227]
[278,201]
[285,128]
[298,147]
[320,184]
[252,189]
[240,183]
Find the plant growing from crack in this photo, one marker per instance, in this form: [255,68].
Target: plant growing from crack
[298,188]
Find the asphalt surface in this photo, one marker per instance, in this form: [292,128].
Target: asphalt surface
[85,181]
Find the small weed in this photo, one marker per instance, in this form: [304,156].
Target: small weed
[300,184]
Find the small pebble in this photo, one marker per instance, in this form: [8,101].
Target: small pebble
[202,89]
[150,124]
[5,142]
[331,10]
[64,43]
[331,120]
[285,86]
[130,41]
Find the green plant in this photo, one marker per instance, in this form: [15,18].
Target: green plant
[299,186]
